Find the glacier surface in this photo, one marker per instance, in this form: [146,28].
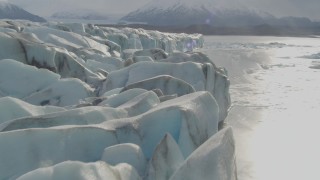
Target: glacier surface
[80,101]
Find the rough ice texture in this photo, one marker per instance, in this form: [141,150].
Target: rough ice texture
[155,54]
[189,119]
[117,99]
[40,86]
[214,160]
[79,116]
[200,76]
[27,81]
[167,84]
[166,159]
[65,92]
[126,153]
[12,108]
[141,103]
[130,97]
[83,171]
[217,80]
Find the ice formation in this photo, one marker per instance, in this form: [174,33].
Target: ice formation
[81,171]
[80,101]
[214,159]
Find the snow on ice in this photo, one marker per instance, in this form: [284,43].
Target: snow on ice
[79,101]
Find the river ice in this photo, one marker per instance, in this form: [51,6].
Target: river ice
[274,89]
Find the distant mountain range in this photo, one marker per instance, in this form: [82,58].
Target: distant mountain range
[215,13]
[210,17]
[10,11]
[79,14]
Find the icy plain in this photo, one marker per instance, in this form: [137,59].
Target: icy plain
[80,101]
[275,86]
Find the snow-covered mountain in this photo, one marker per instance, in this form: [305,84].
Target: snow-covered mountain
[187,12]
[11,11]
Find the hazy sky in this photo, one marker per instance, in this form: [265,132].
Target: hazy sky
[306,8]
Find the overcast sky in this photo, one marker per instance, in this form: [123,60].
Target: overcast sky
[305,8]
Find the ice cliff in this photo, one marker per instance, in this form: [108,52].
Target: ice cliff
[79,101]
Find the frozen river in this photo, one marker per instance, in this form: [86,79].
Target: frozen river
[275,90]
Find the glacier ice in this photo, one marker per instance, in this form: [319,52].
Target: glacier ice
[28,49]
[203,77]
[65,92]
[127,172]
[155,54]
[69,40]
[125,153]
[12,108]
[116,99]
[215,159]
[83,171]
[40,86]
[141,103]
[167,97]
[27,81]
[133,98]
[312,56]
[167,84]
[190,119]
[189,72]
[136,59]
[30,149]
[79,116]
[166,159]
[217,80]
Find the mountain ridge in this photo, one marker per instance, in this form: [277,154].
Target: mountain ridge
[180,12]
[79,14]
[11,11]
[216,13]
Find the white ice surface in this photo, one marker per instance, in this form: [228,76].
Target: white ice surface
[126,153]
[190,119]
[200,76]
[214,160]
[155,54]
[167,84]
[29,79]
[145,70]
[29,149]
[68,40]
[73,170]
[141,103]
[79,62]
[80,116]
[65,92]
[118,99]
[12,108]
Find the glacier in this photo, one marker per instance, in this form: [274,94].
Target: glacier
[80,101]
[82,171]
